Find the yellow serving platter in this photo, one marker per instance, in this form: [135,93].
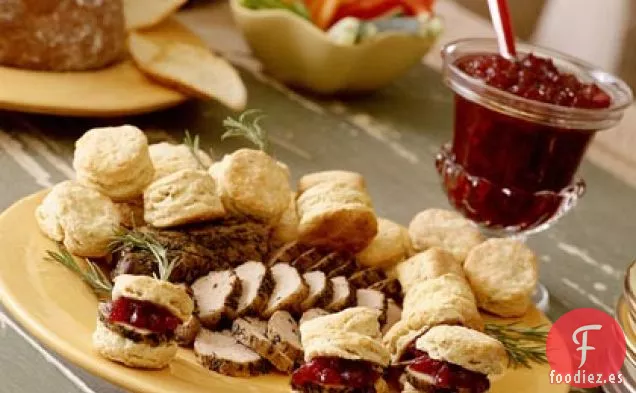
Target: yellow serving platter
[57,308]
[121,89]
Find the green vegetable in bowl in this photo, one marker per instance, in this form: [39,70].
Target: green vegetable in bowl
[296,6]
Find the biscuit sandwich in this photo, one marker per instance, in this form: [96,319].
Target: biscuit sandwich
[454,359]
[343,353]
[137,327]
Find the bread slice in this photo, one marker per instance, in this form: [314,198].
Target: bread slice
[320,290]
[216,296]
[187,332]
[312,314]
[188,68]
[252,333]
[282,329]
[220,352]
[372,299]
[257,284]
[393,315]
[366,277]
[289,289]
[343,294]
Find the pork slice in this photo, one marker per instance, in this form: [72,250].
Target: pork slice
[289,290]
[220,352]
[306,260]
[393,315]
[257,284]
[187,332]
[287,253]
[216,296]
[343,294]
[366,277]
[346,268]
[320,290]
[390,287]
[420,381]
[252,333]
[312,314]
[372,299]
[327,263]
[282,329]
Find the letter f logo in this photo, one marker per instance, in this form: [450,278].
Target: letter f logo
[583,344]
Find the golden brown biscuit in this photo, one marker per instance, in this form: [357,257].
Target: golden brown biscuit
[350,334]
[503,275]
[117,348]
[432,263]
[251,183]
[115,161]
[80,217]
[352,179]
[336,216]
[472,350]
[168,158]
[184,197]
[170,296]
[286,230]
[390,246]
[444,229]
[443,300]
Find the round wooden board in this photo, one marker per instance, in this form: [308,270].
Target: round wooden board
[56,307]
[121,89]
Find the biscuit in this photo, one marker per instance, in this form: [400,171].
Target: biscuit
[115,161]
[168,158]
[398,338]
[117,348]
[184,197]
[80,217]
[443,300]
[352,179]
[286,230]
[391,245]
[352,334]
[252,184]
[432,263]
[336,216]
[472,350]
[503,275]
[170,296]
[444,229]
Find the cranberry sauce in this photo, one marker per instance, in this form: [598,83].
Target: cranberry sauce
[143,315]
[518,158]
[450,376]
[335,372]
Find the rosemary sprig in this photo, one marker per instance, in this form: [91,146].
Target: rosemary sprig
[193,145]
[93,275]
[248,126]
[144,241]
[524,345]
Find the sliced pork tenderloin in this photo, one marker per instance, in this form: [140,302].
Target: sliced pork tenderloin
[220,352]
[289,291]
[343,295]
[252,333]
[372,299]
[256,286]
[187,332]
[312,314]
[393,315]
[216,296]
[320,290]
[282,329]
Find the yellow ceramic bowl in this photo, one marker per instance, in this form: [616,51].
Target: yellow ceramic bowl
[300,54]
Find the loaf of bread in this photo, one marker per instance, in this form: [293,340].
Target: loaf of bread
[61,35]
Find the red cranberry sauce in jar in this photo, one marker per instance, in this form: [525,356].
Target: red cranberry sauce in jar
[516,156]
[143,315]
[335,372]
[450,377]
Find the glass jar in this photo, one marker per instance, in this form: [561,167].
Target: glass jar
[512,162]
[626,316]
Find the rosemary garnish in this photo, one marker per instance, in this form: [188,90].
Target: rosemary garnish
[524,345]
[193,145]
[248,126]
[93,275]
[144,241]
